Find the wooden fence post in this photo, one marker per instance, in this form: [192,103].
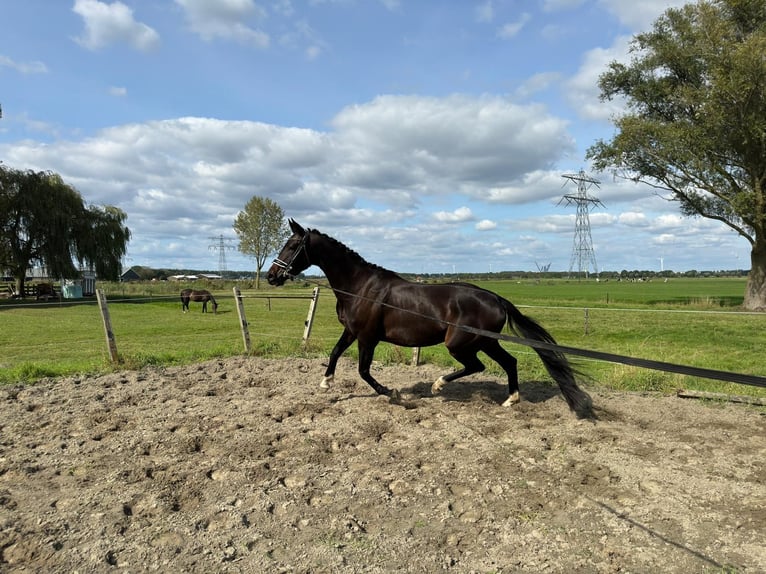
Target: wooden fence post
[310,317]
[587,321]
[111,344]
[242,319]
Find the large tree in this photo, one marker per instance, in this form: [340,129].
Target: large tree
[262,229]
[44,221]
[695,123]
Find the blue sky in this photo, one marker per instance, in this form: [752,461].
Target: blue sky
[429,136]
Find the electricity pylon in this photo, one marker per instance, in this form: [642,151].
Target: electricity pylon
[583,255]
[221,246]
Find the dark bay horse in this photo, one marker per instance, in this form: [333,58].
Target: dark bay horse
[198,296]
[375,304]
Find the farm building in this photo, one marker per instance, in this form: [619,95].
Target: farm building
[129,275]
[194,277]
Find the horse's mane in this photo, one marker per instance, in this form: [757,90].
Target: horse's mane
[351,254]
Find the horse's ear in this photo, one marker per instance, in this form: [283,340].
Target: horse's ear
[296,227]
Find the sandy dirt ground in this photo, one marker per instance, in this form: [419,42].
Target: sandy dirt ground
[245,465]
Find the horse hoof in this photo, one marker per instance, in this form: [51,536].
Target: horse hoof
[394,396]
[512,400]
[437,386]
[326,382]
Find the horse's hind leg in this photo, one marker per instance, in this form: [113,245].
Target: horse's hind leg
[508,362]
[471,364]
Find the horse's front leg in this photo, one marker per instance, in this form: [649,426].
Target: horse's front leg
[366,353]
[343,343]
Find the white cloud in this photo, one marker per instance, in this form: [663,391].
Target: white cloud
[118,91]
[558,5]
[639,16]
[34,67]
[485,12]
[283,7]
[551,223]
[460,215]
[633,219]
[511,29]
[582,89]
[602,219]
[453,144]
[169,172]
[536,84]
[224,19]
[670,221]
[107,24]
[391,5]
[531,186]
[665,239]
[303,36]
[368,178]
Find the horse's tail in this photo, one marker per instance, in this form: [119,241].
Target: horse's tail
[555,362]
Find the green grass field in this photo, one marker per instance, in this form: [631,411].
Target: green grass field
[685,321]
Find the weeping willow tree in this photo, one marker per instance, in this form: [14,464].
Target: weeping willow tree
[695,125]
[44,221]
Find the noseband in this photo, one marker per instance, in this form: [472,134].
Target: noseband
[287,266]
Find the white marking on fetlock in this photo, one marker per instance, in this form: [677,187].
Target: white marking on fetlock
[512,400]
[326,382]
[437,386]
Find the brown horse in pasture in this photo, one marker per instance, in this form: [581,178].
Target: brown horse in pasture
[375,304]
[198,296]
[45,291]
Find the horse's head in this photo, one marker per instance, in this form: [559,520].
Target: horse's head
[293,258]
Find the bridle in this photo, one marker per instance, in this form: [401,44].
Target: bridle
[287,266]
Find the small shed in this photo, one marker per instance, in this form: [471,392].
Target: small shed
[71,289]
